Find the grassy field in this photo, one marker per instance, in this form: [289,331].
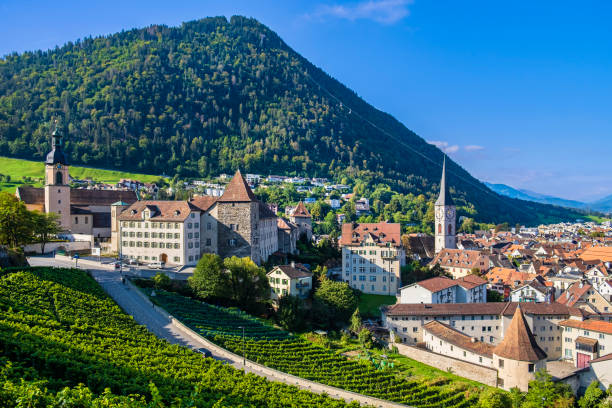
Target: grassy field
[369,304]
[19,169]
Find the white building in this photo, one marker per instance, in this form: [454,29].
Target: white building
[469,289]
[445,213]
[372,257]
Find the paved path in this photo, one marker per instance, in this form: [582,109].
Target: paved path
[162,326]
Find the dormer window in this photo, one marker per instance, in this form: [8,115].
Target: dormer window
[134,212]
[177,212]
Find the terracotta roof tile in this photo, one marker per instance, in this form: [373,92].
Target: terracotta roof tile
[31,195]
[203,202]
[490,308]
[301,211]
[458,339]
[518,342]
[599,326]
[293,272]
[382,233]
[597,253]
[237,190]
[574,293]
[162,211]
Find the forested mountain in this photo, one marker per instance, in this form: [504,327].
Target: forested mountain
[512,192]
[214,95]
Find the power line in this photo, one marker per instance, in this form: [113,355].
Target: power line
[353,112]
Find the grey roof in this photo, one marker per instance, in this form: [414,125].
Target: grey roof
[56,156]
[444,198]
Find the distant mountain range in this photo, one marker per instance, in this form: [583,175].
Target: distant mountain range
[602,205]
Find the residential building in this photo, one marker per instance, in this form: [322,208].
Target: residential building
[459,263]
[534,291]
[164,231]
[586,340]
[487,322]
[443,339]
[372,257]
[293,280]
[468,289]
[287,236]
[583,295]
[445,214]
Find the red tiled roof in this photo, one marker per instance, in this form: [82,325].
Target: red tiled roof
[301,211]
[237,190]
[461,258]
[382,233]
[602,358]
[597,253]
[293,272]
[436,284]
[203,202]
[161,211]
[452,336]
[594,325]
[518,342]
[490,308]
[574,293]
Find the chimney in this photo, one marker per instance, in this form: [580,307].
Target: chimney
[474,339]
[293,264]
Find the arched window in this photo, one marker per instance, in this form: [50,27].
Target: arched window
[439,228]
[59,179]
[450,229]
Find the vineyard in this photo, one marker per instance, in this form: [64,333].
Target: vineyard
[63,342]
[291,354]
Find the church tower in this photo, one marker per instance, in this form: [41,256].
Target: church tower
[445,216]
[57,182]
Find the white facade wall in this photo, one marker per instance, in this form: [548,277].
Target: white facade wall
[604,343]
[527,292]
[208,233]
[268,237]
[373,269]
[486,328]
[440,346]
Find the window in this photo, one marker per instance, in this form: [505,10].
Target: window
[501,363]
[196,225]
[146,234]
[189,225]
[208,226]
[176,246]
[176,235]
[415,329]
[208,242]
[76,220]
[177,259]
[197,244]
[531,368]
[372,279]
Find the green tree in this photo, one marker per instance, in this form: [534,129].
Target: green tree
[210,280]
[16,222]
[544,393]
[248,282]
[45,226]
[494,398]
[365,338]
[291,313]
[494,296]
[339,300]
[592,396]
[161,280]
[356,322]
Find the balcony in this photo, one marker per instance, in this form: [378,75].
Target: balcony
[586,345]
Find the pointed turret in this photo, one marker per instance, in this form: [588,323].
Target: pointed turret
[444,198]
[237,190]
[301,211]
[518,343]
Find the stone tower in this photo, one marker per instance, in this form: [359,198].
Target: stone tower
[445,216]
[237,212]
[57,182]
[302,218]
[518,357]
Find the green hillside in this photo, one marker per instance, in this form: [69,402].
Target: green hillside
[33,172]
[214,95]
[58,329]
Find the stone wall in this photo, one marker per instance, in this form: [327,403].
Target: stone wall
[475,372]
[52,246]
[243,217]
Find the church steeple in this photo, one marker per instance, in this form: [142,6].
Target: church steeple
[56,155]
[444,198]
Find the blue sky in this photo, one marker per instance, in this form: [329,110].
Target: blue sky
[517,92]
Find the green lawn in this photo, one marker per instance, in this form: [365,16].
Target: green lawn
[18,169]
[369,304]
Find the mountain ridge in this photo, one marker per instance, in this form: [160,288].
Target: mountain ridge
[214,95]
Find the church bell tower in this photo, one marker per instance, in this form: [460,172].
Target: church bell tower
[57,182]
[445,216]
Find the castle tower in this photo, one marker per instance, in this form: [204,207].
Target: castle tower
[302,218]
[445,216]
[57,182]
[518,357]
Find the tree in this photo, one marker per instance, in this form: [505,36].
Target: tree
[365,338]
[592,396]
[544,393]
[494,296]
[356,321]
[338,299]
[161,280]
[475,271]
[248,282]
[210,280]
[46,225]
[494,398]
[291,313]
[15,222]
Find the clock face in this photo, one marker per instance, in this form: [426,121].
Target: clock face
[450,213]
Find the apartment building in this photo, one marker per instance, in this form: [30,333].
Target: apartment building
[459,263]
[372,257]
[586,340]
[290,280]
[486,322]
[165,231]
[468,289]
